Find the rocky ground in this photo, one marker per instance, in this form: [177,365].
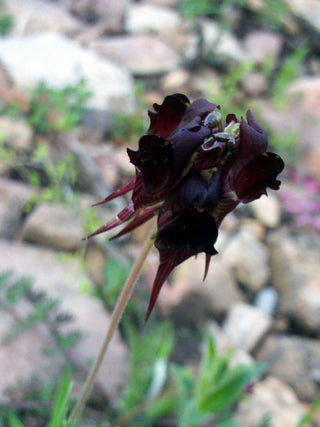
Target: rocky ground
[262,293]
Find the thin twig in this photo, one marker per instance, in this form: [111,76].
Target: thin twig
[115,319]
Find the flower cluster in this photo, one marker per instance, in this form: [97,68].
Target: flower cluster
[192,169]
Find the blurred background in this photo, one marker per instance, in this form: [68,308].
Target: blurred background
[76,80]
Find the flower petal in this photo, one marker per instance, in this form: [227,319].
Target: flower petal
[154,161]
[185,235]
[259,174]
[196,191]
[122,190]
[168,115]
[127,213]
[253,141]
[141,217]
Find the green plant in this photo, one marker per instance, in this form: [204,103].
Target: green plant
[217,8]
[6,20]
[272,14]
[55,111]
[54,180]
[288,71]
[218,386]
[115,272]
[39,311]
[58,417]
[229,89]
[307,418]
[192,401]
[190,9]
[128,128]
[41,396]
[142,401]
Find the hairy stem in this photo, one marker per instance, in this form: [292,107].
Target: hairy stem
[115,319]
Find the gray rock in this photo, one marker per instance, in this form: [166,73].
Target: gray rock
[262,46]
[176,81]
[306,91]
[16,133]
[273,399]
[308,304]
[14,195]
[267,210]
[296,271]
[142,18]
[213,297]
[35,16]
[110,12]
[309,10]
[254,84]
[248,258]
[54,225]
[166,3]
[25,356]
[246,326]
[220,43]
[294,360]
[140,54]
[224,344]
[111,85]
[299,120]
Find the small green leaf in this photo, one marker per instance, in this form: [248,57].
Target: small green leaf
[61,402]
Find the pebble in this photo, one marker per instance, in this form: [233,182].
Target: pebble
[273,399]
[306,91]
[111,86]
[248,259]
[110,12]
[59,280]
[261,46]
[308,304]
[54,225]
[17,134]
[246,325]
[294,261]
[176,81]
[220,43]
[309,10]
[254,84]
[267,210]
[142,55]
[224,344]
[14,195]
[35,16]
[148,18]
[266,300]
[294,360]
[213,297]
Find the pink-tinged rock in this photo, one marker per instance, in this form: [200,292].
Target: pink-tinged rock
[60,280]
[246,325]
[109,12]
[54,225]
[17,134]
[272,399]
[14,195]
[141,54]
[262,46]
[189,297]
[35,16]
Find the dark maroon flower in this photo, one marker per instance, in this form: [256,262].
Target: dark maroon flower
[192,169]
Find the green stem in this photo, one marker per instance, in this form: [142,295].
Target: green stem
[115,319]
